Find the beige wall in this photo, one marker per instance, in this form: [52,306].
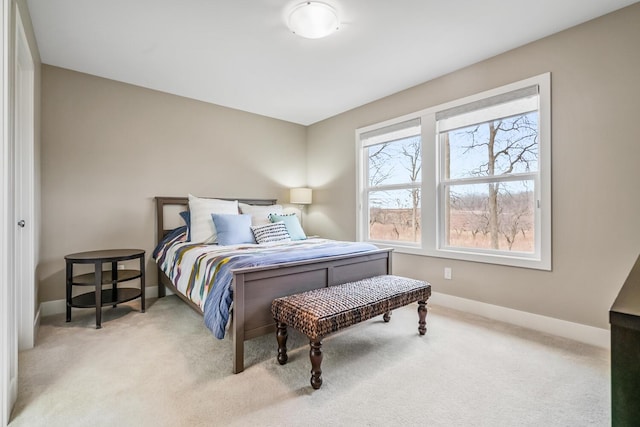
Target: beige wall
[108,148]
[595,71]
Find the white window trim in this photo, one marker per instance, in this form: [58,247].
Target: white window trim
[431,200]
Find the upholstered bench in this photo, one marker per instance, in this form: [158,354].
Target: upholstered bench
[320,312]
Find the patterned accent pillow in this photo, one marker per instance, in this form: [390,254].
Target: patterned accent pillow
[202,229]
[292,223]
[275,232]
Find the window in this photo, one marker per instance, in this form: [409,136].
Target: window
[484,191]
[393,181]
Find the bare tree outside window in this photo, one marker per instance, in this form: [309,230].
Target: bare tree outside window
[489,194]
[394,176]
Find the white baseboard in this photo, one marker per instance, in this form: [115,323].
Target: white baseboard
[575,331]
[36,324]
[58,306]
[49,308]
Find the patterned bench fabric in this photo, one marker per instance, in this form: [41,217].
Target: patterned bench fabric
[319,312]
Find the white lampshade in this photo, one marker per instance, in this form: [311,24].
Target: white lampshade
[300,196]
[313,20]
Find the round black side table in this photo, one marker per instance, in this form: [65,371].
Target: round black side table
[102,297]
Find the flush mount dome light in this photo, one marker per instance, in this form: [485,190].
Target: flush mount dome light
[313,20]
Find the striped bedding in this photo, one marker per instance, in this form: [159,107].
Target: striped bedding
[204,274]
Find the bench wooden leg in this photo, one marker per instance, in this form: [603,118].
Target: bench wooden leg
[315,354]
[387,316]
[422,315]
[281,335]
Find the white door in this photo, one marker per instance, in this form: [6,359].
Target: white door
[8,315]
[24,188]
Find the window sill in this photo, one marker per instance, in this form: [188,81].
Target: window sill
[504,260]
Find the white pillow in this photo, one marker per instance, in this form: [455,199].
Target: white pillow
[202,229]
[260,214]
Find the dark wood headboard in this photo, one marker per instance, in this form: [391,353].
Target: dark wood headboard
[162,201]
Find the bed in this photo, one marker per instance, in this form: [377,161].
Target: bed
[255,287]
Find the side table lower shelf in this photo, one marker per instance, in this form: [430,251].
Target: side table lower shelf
[109,297]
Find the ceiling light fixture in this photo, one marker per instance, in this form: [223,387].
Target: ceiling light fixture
[313,20]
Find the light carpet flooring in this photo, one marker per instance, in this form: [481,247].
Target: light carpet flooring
[164,368]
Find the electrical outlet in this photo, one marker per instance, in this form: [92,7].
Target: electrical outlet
[447,273]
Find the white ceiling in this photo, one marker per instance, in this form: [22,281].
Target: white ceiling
[240,53]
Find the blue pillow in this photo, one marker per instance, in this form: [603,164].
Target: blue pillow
[233,229]
[291,223]
[186,216]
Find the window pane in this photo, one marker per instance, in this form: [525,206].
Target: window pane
[395,215]
[395,162]
[498,216]
[497,147]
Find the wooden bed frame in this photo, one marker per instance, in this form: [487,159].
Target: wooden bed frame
[254,288]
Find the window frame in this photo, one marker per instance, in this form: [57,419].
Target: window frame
[402,131]
[432,196]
